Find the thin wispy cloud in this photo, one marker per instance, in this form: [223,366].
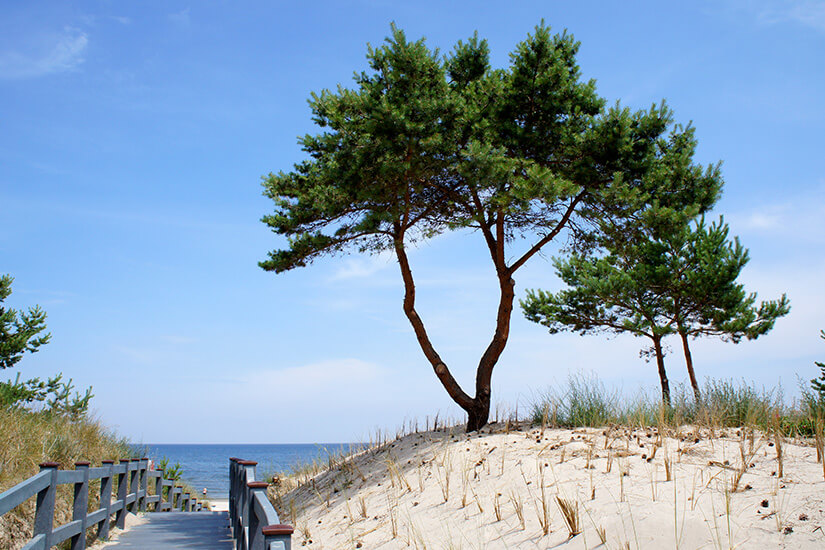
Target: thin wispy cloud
[324,381]
[56,54]
[181,18]
[810,13]
[178,339]
[761,221]
[91,20]
[359,267]
[802,216]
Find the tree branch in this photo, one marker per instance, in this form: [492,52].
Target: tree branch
[550,236]
[441,371]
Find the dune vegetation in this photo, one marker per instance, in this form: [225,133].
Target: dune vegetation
[587,467]
[28,438]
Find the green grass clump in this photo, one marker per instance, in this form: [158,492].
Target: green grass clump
[29,438]
[586,401]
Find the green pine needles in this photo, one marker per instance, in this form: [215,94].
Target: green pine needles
[667,274]
[20,331]
[818,384]
[425,143]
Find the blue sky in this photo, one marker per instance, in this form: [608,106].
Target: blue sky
[133,137]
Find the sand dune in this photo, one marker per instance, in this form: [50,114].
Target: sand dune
[504,488]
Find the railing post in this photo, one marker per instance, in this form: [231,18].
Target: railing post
[106,484]
[122,491]
[278,533]
[134,469]
[44,513]
[159,491]
[233,499]
[247,468]
[80,508]
[256,539]
[184,504]
[144,483]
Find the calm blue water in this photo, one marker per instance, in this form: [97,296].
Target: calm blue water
[208,465]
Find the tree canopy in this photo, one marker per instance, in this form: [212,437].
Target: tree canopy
[426,143]
[668,275]
[20,331]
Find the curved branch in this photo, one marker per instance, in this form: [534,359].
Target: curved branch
[441,371]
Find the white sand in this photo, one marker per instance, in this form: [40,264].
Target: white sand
[444,491]
[219,504]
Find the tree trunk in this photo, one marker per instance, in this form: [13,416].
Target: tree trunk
[478,407]
[689,363]
[479,415]
[660,362]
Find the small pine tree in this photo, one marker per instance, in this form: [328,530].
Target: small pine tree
[19,330]
[818,384]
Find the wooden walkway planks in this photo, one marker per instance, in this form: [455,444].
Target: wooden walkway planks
[179,530]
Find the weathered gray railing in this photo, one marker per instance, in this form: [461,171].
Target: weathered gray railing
[254,521]
[132,496]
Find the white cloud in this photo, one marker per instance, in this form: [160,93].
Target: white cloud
[58,53]
[761,220]
[181,18]
[363,267]
[335,375]
[178,339]
[810,13]
[802,217]
[92,20]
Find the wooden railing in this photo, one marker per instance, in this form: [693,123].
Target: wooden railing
[132,495]
[254,521]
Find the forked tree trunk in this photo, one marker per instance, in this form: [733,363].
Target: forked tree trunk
[478,416]
[660,362]
[478,407]
[689,363]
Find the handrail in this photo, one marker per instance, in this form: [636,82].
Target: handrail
[131,495]
[254,521]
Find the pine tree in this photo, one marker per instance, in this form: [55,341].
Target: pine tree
[426,144]
[660,276]
[20,331]
[708,300]
[818,384]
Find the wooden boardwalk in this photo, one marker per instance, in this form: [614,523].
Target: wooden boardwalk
[179,530]
[175,521]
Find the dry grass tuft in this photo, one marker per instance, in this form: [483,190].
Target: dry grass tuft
[30,438]
[570,513]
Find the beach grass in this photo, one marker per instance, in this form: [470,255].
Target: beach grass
[589,465]
[28,439]
[585,401]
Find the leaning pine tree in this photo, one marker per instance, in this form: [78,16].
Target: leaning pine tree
[425,144]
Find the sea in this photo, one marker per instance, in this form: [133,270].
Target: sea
[206,466]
